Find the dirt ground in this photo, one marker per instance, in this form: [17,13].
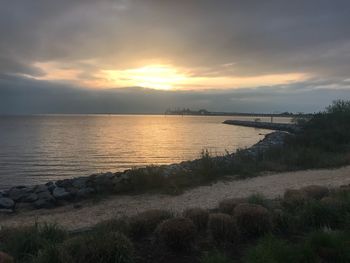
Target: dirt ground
[92,212]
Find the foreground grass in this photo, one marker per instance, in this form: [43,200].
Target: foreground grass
[307,225]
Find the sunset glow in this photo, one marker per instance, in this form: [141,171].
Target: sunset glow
[161,77]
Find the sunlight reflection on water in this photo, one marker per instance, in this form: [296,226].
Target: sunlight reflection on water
[37,149]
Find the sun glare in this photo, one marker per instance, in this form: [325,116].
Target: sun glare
[153,76]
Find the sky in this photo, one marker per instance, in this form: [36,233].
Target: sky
[144,56]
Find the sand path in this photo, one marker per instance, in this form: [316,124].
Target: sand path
[205,196]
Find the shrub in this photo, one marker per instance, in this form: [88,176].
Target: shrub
[284,222]
[222,228]
[50,254]
[146,222]
[271,250]
[198,216]
[25,242]
[326,247]
[315,191]
[215,257]
[258,199]
[177,233]
[293,198]
[92,248]
[316,214]
[144,179]
[252,220]
[228,205]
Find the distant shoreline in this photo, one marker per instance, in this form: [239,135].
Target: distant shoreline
[160,114]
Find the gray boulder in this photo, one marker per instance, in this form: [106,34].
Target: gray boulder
[85,192]
[79,182]
[17,193]
[60,193]
[41,188]
[29,198]
[44,203]
[45,200]
[6,203]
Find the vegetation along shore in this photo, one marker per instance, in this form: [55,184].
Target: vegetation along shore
[306,225]
[320,142]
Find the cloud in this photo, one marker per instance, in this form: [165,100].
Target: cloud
[273,37]
[69,43]
[20,95]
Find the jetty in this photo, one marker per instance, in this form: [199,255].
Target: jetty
[288,127]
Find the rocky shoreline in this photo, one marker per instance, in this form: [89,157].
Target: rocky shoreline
[288,127]
[65,191]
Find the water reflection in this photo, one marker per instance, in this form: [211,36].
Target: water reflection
[42,148]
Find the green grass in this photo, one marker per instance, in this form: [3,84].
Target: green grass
[271,250]
[24,243]
[215,256]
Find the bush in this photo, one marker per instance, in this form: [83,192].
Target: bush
[215,257]
[50,254]
[271,250]
[326,247]
[315,191]
[146,222]
[294,198]
[222,228]
[143,179]
[92,248]
[198,216]
[284,222]
[25,242]
[252,220]
[228,205]
[316,214]
[177,233]
[258,199]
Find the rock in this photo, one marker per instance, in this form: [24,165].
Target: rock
[50,186]
[6,203]
[85,192]
[44,203]
[45,200]
[40,188]
[44,195]
[61,194]
[5,258]
[79,182]
[65,183]
[109,174]
[29,198]
[17,193]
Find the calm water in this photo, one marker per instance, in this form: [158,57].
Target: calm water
[37,149]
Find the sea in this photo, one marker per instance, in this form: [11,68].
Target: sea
[40,148]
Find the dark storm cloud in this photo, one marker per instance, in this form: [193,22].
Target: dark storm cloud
[260,37]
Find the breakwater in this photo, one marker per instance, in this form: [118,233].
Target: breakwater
[289,127]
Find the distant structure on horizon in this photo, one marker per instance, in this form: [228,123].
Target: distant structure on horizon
[204,112]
